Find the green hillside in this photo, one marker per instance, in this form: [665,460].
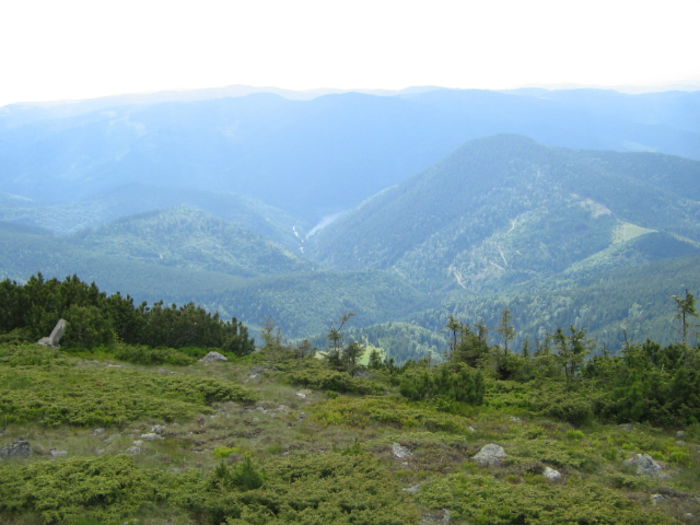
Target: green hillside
[125,260]
[130,199]
[187,238]
[505,209]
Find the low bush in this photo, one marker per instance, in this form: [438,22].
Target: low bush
[81,396]
[325,379]
[397,413]
[483,499]
[146,355]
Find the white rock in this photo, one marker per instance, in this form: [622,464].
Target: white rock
[56,334]
[151,436]
[400,451]
[490,455]
[158,429]
[213,357]
[551,473]
[137,442]
[98,431]
[133,450]
[58,453]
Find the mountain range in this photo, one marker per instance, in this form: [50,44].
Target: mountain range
[568,207]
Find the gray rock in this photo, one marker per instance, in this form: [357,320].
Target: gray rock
[133,450]
[58,453]
[516,419]
[551,473]
[490,455]
[412,490]
[18,449]
[471,429]
[137,442]
[55,337]
[645,465]
[151,436]
[301,395]
[213,357]
[680,434]
[400,451]
[158,429]
[627,427]
[98,431]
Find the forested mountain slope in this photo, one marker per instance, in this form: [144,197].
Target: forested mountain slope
[505,209]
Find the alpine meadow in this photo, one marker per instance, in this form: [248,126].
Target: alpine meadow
[421,306]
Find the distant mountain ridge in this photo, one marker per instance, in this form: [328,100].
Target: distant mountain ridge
[314,157]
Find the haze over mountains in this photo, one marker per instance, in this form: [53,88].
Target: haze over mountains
[444,201]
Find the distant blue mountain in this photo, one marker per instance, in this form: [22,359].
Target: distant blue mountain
[312,157]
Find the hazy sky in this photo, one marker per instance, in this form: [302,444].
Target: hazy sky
[66,49]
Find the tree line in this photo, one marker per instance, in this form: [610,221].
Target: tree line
[30,311]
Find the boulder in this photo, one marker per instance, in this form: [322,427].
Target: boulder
[551,473]
[645,465]
[18,449]
[58,453]
[213,357]
[399,451]
[490,455]
[55,337]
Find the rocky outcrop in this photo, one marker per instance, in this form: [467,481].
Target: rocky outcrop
[490,455]
[52,341]
[18,449]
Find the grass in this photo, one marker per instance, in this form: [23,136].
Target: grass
[238,444]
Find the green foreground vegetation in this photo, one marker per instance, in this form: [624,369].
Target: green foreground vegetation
[128,431]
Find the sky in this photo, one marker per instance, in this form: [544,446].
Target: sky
[75,49]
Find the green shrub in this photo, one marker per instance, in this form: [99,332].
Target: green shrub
[397,413]
[103,489]
[455,382]
[146,355]
[243,476]
[325,379]
[482,499]
[575,410]
[81,396]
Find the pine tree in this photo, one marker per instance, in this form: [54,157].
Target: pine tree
[685,308]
